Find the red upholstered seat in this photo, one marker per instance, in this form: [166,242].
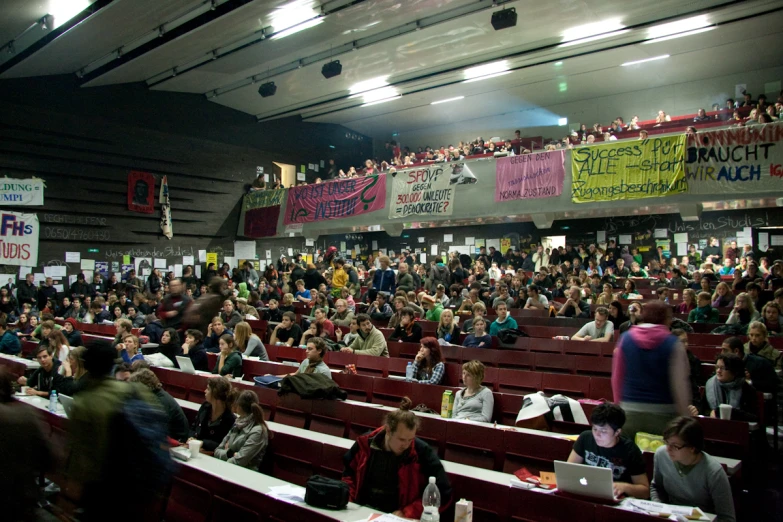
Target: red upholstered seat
[472,445]
[187,502]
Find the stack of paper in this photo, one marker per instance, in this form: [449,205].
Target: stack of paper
[288,493]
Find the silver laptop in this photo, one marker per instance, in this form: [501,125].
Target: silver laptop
[587,481]
[186,365]
[67,403]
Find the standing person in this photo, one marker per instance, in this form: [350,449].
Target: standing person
[384,280]
[24,452]
[389,468]
[214,418]
[177,422]
[604,447]
[687,476]
[173,306]
[540,259]
[247,440]
[104,436]
[28,292]
[650,373]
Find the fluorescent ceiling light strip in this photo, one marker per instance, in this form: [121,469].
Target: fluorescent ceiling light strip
[592,29]
[379,94]
[679,35]
[297,28]
[376,102]
[487,77]
[447,100]
[637,62]
[679,26]
[369,85]
[594,38]
[484,70]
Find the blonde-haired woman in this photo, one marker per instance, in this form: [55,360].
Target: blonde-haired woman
[448,329]
[475,401]
[722,298]
[743,312]
[73,365]
[249,343]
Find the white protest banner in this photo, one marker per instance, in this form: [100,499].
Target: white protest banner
[21,191]
[19,239]
[738,160]
[427,190]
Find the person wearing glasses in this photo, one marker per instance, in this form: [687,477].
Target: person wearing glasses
[604,447]
[687,476]
[728,386]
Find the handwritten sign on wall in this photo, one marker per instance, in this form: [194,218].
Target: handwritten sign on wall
[335,199]
[530,176]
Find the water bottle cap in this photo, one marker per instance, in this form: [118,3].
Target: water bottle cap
[432,480]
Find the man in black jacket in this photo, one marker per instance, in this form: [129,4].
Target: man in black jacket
[46,378]
[80,289]
[27,292]
[47,291]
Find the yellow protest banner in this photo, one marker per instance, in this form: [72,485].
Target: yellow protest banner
[640,169]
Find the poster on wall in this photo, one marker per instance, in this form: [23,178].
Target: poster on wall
[336,199]
[262,210]
[143,266]
[530,176]
[22,191]
[428,190]
[141,192]
[19,239]
[738,160]
[623,170]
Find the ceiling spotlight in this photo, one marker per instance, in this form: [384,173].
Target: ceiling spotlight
[332,69]
[267,89]
[504,19]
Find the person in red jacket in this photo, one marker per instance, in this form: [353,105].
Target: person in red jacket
[389,468]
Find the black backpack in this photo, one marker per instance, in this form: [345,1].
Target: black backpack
[511,335]
[327,493]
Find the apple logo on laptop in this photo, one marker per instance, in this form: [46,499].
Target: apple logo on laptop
[583,481]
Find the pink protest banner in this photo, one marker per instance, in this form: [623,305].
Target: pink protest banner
[335,199]
[530,176]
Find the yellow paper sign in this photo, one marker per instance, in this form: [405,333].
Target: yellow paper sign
[212,258]
[505,244]
[548,478]
[640,169]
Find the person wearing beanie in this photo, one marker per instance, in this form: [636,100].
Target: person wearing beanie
[71,331]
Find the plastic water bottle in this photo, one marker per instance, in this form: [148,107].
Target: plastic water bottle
[53,401]
[409,371]
[430,501]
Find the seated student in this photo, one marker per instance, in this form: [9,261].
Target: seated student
[215,330]
[177,422]
[408,330]
[600,330]
[98,314]
[575,306]
[230,360]
[637,271]
[503,322]
[479,338]
[230,316]
[728,386]
[770,316]
[428,367]
[475,401]
[169,345]
[684,475]
[287,304]
[71,331]
[604,447]
[370,340]
[607,296]
[758,344]
[246,442]
[9,342]
[536,300]
[433,307]
[75,377]
[479,310]
[389,468]
[704,312]
[472,299]
[193,348]
[272,313]
[722,298]
[47,377]
[503,296]
[287,332]
[129,349]
[214,418]
[743,312]
[688,302]
[629,290]
[314,361]
[448,329]
[248,343]
[342,315]
[759,370]
[302,294]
